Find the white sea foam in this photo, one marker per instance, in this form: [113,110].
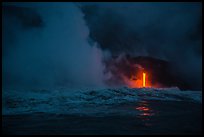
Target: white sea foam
[87,101]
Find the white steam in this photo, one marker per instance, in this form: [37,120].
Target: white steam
[58,54]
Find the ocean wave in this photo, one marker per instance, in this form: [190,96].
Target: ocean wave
[88,101]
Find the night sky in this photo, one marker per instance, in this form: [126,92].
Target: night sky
[64,44]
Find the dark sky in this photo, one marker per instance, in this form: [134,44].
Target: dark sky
[49,43]
[145,28]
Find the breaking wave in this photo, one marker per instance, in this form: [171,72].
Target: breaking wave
[89,101]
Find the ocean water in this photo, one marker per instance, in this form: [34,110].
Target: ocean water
[102,111]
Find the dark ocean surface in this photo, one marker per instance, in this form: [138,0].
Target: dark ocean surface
[150,117]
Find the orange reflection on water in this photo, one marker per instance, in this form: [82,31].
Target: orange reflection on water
[145,112]
[144,109]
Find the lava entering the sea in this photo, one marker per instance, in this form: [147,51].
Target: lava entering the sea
[144,79]
[139,80]
[141,72]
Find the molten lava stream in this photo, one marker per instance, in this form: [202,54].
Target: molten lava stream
[144,79]
[139,81]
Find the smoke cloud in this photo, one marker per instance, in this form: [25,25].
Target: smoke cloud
[48,44]
[168,31]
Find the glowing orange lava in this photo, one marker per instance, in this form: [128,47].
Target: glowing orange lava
[138,80]
[144,77]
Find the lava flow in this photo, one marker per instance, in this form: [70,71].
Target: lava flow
[144,78]
[139,80]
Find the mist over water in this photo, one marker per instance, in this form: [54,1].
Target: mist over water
[47,45]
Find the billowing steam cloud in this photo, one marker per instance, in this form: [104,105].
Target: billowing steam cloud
[47,44]
[169,31]
[63,44]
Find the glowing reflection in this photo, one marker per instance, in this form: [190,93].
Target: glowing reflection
[142,108]
[145,112]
